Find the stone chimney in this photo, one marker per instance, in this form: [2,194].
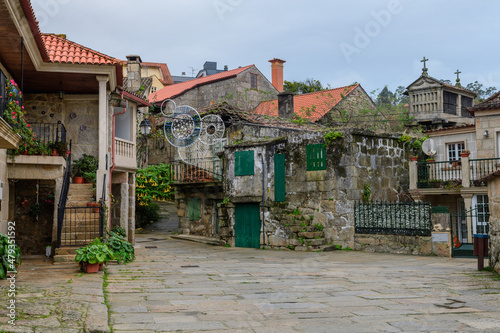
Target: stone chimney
[285,105]
[277,73]
[134,73]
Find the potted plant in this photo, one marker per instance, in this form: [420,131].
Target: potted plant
[465,153]
[93,255]
[435,183]
[10,256]
[121,248]
[413,158]
[59,148]
[85,168]
[430,160]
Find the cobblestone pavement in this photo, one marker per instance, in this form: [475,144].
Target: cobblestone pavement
[54,298]
[184,286]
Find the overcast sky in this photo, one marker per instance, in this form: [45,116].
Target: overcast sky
[372,42]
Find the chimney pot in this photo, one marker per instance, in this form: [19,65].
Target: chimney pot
[277,73]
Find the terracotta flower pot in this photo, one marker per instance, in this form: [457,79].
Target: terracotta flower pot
[91,268]
[55,153]
[413,158]
[78,180]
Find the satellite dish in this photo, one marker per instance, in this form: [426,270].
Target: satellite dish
[429,147]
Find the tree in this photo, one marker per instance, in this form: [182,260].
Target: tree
[303,87]
[481,93]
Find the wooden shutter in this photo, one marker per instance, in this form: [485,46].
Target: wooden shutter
[193,209]
[316,157]
[279,178]
[244,163]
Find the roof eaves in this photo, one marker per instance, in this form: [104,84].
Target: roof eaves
[35,28]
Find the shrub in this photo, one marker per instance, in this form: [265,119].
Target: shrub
[146,214]
[10,255]
[95,252]
[119,231]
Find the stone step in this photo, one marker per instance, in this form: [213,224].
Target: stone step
[58,258]
[67,237]
[79,197]
[85,186]
[66,250]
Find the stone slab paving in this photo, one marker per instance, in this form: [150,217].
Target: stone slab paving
[190,287]
[54,298]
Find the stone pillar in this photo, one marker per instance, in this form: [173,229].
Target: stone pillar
[123,206]
[465,172]
[103,140]
[468,205]
[131,208]
[57,195]
[413,175]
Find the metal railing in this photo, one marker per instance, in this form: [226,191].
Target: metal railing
[81,226]
[393,218]
[200,171]
[63,197]
[438,174]
[49,132]
[482,167]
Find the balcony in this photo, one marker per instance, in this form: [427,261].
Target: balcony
[125,155]
[451,175]
[203,170]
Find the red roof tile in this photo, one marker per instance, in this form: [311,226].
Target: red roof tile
[491,103]
[166,78]
[62,50]
[311,106]
[177,89]
[35,29]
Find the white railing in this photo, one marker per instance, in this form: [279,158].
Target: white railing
[125,153]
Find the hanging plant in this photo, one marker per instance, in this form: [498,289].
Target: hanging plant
[36,209]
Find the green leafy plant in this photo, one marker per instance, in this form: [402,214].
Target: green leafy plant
[318,227]
[153,184]
[36,209]
[86,167]
[95,252]
[367,193]
[10,256]
[225,201]
[332,136]
[60,146]
[296,211]
[122,250]
[119,231]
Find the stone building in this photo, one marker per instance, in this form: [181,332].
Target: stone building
[321,106]
[436,104]
[243,87]
[70,94]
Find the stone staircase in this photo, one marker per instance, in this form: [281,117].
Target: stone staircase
[81,224]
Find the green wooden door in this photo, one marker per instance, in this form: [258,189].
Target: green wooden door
[279,178]
[247,225]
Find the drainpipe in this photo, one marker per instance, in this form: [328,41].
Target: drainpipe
[263,198]
[113,142]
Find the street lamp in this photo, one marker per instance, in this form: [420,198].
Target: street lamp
[145,127]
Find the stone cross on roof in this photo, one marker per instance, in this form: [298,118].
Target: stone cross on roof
[424,70]
[458,78]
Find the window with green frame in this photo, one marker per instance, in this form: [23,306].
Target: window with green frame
[316,157]
[193,209]
[244,163]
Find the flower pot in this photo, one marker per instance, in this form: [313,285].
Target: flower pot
[78,180]
[55,153]
[101,266]
[96,206]
[464,154]
[413,158]
[91,268]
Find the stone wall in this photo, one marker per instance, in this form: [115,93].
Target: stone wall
[210,195]
[33,234]
[494,233]
[355,101]
[235,91]
[78,114]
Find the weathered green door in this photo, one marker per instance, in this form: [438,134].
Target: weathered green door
[279,178]
[247,225]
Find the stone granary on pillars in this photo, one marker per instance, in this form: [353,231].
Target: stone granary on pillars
[435,104]
[74,103]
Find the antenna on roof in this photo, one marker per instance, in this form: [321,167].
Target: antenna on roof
[192,71]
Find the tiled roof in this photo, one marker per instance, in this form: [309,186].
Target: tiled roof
[146,82]
[177,89]
[62,50]
[166,78]
[227,110]
[35,29]
[140,102]
[443,129]
[493,102]
[311,106]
